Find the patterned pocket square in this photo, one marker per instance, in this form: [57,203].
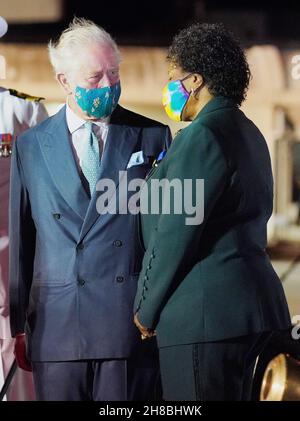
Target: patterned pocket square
[137,158]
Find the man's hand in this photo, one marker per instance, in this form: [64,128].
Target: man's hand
[145,331]
[20,352]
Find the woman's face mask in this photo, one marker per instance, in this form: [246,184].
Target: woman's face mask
[174,98]
[98,102]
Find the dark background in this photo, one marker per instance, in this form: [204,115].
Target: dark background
[154,22]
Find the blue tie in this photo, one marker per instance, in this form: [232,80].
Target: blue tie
[90,162]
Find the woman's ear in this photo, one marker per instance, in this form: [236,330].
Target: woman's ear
[64,83]
[198,81]
[197,85]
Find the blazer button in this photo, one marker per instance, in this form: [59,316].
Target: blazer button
[80,246]
[81,282]
[120,279]
[56,215]
[117,243]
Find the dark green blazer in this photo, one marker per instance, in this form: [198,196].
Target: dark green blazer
[214,280]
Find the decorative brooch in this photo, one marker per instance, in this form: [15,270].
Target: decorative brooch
[159,158]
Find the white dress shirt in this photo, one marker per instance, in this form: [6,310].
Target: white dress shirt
[78,132]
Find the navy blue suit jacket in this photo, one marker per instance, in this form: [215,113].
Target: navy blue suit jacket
[73,272]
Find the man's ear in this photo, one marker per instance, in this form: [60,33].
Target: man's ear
[64,83]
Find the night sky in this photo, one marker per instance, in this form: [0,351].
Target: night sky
[146,22]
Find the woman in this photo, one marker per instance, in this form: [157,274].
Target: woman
[208,290]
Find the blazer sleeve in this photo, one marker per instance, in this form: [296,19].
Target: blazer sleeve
[22,235]
[196,155]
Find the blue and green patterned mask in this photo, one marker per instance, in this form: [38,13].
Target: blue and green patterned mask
[98,102]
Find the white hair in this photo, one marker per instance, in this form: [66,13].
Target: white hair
[80,33]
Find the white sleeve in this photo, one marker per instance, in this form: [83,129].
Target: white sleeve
[21,114]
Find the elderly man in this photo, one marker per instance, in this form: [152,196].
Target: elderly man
[74,271]
[18,112]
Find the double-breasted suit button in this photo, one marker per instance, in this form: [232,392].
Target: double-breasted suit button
[120,279]
[81,282]
[117,243]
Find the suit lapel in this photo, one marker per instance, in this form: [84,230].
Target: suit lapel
[120,144]
[58,154]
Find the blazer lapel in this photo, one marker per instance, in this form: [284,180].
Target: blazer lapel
[58,154]
[120,144]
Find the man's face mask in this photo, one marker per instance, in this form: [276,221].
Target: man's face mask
[98,102]
[174,98]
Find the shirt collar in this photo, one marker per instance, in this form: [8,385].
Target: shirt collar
[74,122]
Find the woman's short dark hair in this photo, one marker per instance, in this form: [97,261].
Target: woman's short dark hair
[212,51]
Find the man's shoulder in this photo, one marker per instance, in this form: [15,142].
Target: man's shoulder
[127,117]
[44,127]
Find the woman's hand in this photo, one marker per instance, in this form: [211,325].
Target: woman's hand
[145,331]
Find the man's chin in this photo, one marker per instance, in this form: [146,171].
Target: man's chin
[93,118]
[96,119]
